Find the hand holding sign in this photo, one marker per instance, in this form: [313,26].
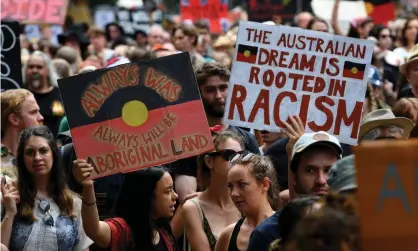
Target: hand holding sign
[293,131]
[82,171]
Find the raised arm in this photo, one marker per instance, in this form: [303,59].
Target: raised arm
[98,231]
[334,19]
[10,199]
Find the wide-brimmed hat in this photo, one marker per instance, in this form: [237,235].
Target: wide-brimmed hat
[412,57]
[384,117]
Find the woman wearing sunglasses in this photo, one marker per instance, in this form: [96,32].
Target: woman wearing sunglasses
[253,189]
[146,201]
[208,214]
[41,213]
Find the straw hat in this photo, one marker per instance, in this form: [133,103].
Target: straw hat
[412,56]
[385,117]
[223,41]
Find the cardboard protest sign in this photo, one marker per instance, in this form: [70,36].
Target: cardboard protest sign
[281,71]
[34,11]
[135,19]
[11,66]
[136,115]
[387,194]
[214,11]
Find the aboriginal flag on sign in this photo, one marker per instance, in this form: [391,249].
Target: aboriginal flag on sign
[247,53]
[353,70]
[136,115]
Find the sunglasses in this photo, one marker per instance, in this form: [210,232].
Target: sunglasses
[241,157]
[226,154]
[45,207]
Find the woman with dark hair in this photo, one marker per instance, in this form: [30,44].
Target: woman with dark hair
[290,216]
[383,38]
[360,28]
[318,24]
[253,189]
[146,202]
[41,213]
[206,215]
[409,37]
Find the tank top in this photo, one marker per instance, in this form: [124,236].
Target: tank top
[233,240]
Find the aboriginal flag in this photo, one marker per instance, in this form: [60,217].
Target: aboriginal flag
[125,115]
[353,70]
[381,11]
[247,53]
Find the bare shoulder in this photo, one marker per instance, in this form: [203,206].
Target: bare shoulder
[189,210]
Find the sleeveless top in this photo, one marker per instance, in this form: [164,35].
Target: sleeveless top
[206,227]
[233,240]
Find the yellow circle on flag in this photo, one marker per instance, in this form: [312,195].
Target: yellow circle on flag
[354,70]
[247,53]
[134,113]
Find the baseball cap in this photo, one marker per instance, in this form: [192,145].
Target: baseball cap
[320,138]
[342,175]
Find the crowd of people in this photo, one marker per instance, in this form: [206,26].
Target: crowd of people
[240,196]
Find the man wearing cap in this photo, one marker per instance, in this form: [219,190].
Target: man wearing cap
[410,69]
[382,124]
[312,156]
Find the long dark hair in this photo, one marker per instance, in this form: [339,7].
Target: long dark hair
[134,205]
[405,27]
[57,186]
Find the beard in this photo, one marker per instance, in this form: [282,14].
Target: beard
[35,80]
[213,110]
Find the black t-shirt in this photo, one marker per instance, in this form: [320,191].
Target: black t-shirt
[188,166]
[51,108]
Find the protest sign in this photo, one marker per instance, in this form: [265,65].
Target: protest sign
[136,19]
[281,71]
[263,10]
[387,194]
[11,66]
[136,115]
[34,11]
[215,12]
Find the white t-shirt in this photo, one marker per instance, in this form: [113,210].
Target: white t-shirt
[401,52]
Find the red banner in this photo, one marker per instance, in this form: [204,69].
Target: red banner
[215,11]
[34,11]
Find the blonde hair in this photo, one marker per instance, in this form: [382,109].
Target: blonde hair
[11,102]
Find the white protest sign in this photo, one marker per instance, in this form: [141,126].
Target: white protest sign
[281,71]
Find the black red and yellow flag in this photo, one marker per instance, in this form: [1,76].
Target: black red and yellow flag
[247,53]
[353,70]
[136,115]
[381,11]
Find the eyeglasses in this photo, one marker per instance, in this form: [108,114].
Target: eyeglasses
[226,154]
[45,207]
[241,157]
